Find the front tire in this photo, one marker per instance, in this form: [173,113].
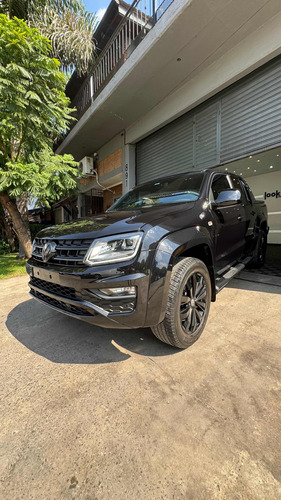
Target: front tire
[188,305]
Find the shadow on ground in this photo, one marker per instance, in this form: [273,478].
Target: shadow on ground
[62,339]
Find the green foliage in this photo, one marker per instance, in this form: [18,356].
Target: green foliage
[47,178]
[33,110]
[4,247]
[65,22]
[35,227]
[33,105]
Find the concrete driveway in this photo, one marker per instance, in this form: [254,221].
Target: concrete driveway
[95,414]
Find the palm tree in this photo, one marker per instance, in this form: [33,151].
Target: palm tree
[65,22]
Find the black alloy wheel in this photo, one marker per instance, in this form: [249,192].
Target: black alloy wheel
[193,303]
[188,304]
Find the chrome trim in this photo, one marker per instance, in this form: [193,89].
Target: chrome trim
[101,295]
[78,303]
[73,315]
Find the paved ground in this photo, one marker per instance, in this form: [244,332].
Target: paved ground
[98,414]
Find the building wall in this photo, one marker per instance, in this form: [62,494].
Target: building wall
[58,215]
[252,52]
[110,163]
[109,196]
[109,167]
[268,187]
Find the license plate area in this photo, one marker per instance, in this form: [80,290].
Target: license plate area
[46,275]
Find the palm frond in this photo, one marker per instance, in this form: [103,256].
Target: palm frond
[14,8]
[70,28]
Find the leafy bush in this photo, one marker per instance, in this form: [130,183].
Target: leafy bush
[4,247]
[35,228]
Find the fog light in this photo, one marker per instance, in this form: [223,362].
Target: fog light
[126,291]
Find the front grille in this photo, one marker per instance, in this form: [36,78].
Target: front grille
[68,252]
[71,308]
[50,287]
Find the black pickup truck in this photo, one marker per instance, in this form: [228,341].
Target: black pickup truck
[156,258]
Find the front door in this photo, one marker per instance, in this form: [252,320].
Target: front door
[230,225]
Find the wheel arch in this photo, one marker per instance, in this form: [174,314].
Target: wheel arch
[190,242]
[203,253]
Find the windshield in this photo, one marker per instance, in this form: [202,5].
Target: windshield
[177,189]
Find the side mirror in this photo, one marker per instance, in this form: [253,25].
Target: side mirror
[226,198]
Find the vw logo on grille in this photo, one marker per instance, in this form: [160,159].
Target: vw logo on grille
[48,250]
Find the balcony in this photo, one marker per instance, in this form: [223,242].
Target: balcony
[139,19]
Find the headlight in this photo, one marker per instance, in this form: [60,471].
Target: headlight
[113,249]
[33,246]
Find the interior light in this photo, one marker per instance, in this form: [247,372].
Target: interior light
[258,161]
[249,168]
[271,166]
[254,170]
[250,156]
[226,169]
[277,155]
[234,171]
[240,173]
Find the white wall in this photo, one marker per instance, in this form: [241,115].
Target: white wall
[269,183]
[110,147]
[252,52]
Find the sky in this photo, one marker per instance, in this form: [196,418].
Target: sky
[98,6]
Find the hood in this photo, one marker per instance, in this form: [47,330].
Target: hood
[112,223]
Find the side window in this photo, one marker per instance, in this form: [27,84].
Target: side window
[238,185]
[247,191]
[220,183]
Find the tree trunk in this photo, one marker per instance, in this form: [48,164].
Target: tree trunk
[8,231]
[19,225]
[22,204]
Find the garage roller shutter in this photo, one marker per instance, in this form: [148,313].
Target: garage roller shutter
[167,151]
[206,137]
[251,114]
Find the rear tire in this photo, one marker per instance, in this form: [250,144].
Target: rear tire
[188,305]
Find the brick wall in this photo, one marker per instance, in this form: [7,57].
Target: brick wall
[108,196]
[110,163]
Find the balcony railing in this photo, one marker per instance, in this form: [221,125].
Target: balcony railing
[139,19]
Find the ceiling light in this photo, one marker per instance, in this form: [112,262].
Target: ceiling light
[258,161]
[234,171]
[250,156]
[249,168]
[226,169]
[254,170]
[277,155]
[240,173]
[271,166]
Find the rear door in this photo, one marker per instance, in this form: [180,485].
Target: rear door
[229,224]
[250,213]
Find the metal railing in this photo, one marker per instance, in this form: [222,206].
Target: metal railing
[141,16]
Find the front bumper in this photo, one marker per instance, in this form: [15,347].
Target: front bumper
[77,294]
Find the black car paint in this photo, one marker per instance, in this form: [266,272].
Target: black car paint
[219,236]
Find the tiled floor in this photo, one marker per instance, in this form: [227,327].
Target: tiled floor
[272,267]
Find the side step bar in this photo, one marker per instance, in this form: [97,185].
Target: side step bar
[232,271]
